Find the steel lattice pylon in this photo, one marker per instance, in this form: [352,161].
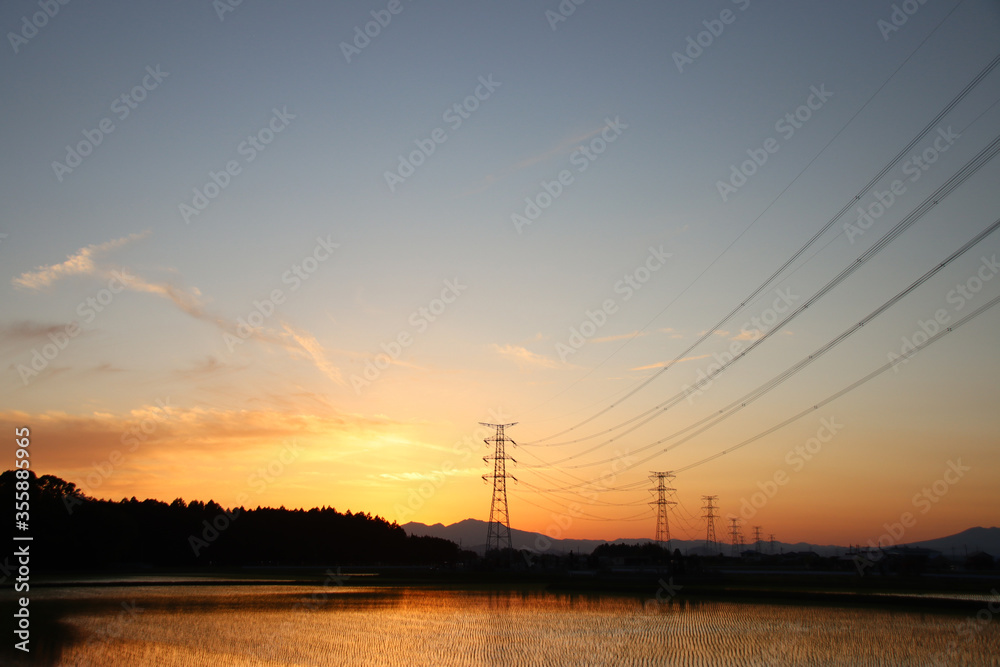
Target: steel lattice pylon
[710,516]
[498,533]
[735,536]
[662,505]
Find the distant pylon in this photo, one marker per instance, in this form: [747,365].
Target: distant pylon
[735,535]
[662,505]
[757,539]
[710,516]
[772,543]
[498,533]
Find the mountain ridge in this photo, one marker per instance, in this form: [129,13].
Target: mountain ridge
[471,533]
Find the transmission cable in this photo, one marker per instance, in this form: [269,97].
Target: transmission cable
[929,203]
[724,413]
[769,281]
[882,369]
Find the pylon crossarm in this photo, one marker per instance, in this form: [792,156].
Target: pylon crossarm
[498,535]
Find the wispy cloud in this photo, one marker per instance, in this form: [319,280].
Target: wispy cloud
[315,352]
[745,334]
[91,261]
[163,450]
[754,334]
[106,367]
[525,357]
[661,364]
[82,262]
[27,331]
[189,301]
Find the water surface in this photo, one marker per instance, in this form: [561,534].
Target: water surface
[348,625]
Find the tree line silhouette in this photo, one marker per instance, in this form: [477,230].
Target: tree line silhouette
[72,531]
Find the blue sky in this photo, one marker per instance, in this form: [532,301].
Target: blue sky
[554,87]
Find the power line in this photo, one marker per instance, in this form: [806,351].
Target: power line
[926,205]
[881,369]
[745,400]
[831,398]
[591,500]
[974,165]
[748,398]
[583,516]
[885,169]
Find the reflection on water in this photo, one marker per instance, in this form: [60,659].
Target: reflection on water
[343,625]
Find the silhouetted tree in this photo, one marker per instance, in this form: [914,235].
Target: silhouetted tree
[73,531]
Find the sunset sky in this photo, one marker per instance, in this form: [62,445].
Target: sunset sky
[257,255]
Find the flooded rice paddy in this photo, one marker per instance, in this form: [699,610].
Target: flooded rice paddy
[346,625]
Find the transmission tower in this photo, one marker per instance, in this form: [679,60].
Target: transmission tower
[662,505]
[771,538]
[710,516]
[735,535]
[757,539]
[498,533]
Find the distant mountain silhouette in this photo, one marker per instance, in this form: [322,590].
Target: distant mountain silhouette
[971,540]
[471,534]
